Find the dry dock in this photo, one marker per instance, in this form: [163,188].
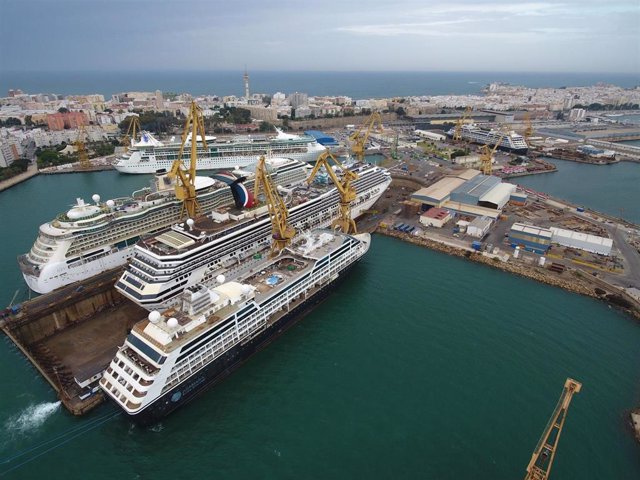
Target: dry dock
[71,335]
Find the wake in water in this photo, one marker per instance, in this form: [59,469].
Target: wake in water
[31,417]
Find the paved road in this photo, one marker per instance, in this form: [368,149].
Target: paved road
[630,255]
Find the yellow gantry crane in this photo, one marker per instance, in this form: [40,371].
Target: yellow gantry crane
[486,155]
[283,233]
[130,136]
[539,467]
[457,133]
[81,150]
[186,177]
[359,137]
[345,188]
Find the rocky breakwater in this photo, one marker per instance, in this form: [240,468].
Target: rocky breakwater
[571,280]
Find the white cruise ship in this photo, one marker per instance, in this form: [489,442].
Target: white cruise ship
[164,265]
[512,142]
[91,238]
[150,155]
[171,357]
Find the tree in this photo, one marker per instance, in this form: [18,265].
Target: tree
[12,121]
[28,121]
[266,127]
[63,110]
[401,112]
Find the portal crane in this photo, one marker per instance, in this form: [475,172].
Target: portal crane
[81,150]
[539,467]
[345,188]
[186,177]
[486,155]
[457,133]
[283,233]
[130,137]
[359,137]
[528,130]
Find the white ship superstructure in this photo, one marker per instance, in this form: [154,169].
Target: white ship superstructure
[91,238]
[149,155]
[164,265]
[172,356]
[512,141]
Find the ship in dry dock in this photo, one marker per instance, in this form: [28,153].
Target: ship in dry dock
[174,355]
[90,238]
[163,265]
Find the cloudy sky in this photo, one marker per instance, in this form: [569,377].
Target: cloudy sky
[452,35]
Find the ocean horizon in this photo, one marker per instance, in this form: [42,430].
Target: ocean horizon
[357,84]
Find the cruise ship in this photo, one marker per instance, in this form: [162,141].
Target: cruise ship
[91,238]
[171,357]
[512,142]
[162,266]
[150,155]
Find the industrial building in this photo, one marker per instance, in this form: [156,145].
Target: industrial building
[431,135]
[531,238]
[479,227]
[467,192]
[582,241]
[518,198]
[435,217]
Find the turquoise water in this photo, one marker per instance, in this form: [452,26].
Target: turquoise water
[608,188]
[420,366]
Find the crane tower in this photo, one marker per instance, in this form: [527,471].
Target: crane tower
[539,467]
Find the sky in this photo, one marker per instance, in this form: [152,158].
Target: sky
[334,35]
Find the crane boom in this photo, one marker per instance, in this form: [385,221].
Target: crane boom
[283,233]
[186,178]
[81,149]
[345,188]
[539,467]
[457,133]
[130,136]
[359,137]
[487,153]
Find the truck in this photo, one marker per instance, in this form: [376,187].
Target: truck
[476,245]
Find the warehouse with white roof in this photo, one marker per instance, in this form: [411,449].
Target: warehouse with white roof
[583,241]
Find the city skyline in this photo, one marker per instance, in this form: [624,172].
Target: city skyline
[572,36]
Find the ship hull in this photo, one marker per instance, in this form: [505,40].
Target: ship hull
[231,360]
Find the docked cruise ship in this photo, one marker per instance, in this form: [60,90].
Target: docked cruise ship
[513,142]
[91,238]
[162,266]
[171,357]
[149,155]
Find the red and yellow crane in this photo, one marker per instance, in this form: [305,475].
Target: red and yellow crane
[539,467]
[359,137]
[345,188]
[186,177]
[283,233]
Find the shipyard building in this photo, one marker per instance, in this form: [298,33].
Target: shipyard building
[468,192]
[538,239]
